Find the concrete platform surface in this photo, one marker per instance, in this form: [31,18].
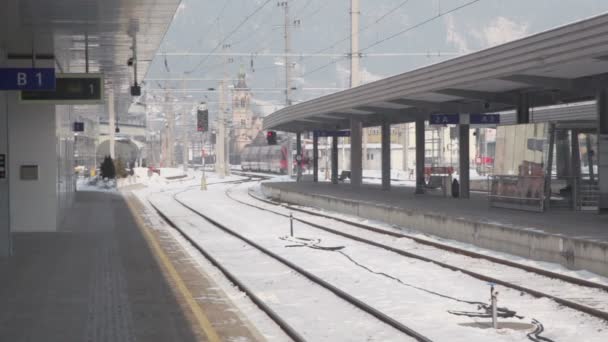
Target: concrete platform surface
[577,240]
[583,225]
[96,280]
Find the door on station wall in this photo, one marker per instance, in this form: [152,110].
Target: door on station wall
[574,175]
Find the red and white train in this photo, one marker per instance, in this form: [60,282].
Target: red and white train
[268,158]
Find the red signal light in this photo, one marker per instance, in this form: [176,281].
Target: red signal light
[271,137]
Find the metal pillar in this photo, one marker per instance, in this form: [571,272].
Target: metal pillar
[334,160]
[405,143]
[185,149]
[111,123]
[575,166]
[464,160]
[602,150]
[5,218]
[355,14]
[220,145]
[356,155]
[289,155]
[315,158]
[299,156]
[420,155]
[523,109]
[386,155]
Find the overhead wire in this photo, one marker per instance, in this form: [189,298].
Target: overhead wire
[230,34]
[334,44]
[408,29]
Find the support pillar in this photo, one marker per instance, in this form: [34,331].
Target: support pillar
[523,109]
[5,217]
[298,156]
[420,156]
[334,160]
[602,150]
[356,154]
[405,135]
[315,158]
[112,123]
[464,160]
[386,156]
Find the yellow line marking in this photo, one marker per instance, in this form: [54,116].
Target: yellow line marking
[200,316]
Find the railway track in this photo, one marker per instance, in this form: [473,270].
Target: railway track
[573,304]
[282,323]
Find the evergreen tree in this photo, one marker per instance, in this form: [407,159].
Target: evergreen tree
[107,168]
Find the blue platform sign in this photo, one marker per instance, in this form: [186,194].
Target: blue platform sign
[27,79]
[445,119]
[484,119]
[332,133]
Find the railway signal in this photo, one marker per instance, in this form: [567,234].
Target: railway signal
[271,137]
[202,118]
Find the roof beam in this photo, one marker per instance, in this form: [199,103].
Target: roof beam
[333,116]
[311,120]
[480,95]
[451,106]
[541,81]
[376,110]
[355,112]
[417,103]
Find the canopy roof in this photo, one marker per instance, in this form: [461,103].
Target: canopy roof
[58,27]
[563,65]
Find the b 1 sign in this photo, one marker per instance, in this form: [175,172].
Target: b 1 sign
[27,79]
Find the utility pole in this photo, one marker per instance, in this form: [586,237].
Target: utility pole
[405,144]
[287,61]
[185,127]
[355,59]
[111,123]
[221,162]
[220,151]
[170,133]
[225,101]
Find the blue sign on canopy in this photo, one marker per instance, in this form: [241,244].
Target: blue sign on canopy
[484,119]
[27,79]
[332,133]
[445,119]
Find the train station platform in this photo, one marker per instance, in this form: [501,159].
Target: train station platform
[577,240]
[107,276]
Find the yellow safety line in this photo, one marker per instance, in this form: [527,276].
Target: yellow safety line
[200,316]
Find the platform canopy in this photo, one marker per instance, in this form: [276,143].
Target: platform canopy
[57,29]
[563,65]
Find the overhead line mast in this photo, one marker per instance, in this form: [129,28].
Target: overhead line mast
[355,63]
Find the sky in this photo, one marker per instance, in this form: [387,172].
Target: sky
[416,32]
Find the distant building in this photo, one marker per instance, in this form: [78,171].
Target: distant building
[246,124]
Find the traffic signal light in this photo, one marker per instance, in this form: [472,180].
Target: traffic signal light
[271,137]
[78,127]
[202,118]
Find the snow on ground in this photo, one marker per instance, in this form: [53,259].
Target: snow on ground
[553,267]
[416,308]
[95,184]
[591,297]
[264,325]
[287,292]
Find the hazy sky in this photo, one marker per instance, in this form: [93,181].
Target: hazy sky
[429,26]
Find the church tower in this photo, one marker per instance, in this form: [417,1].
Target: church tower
[242,114]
